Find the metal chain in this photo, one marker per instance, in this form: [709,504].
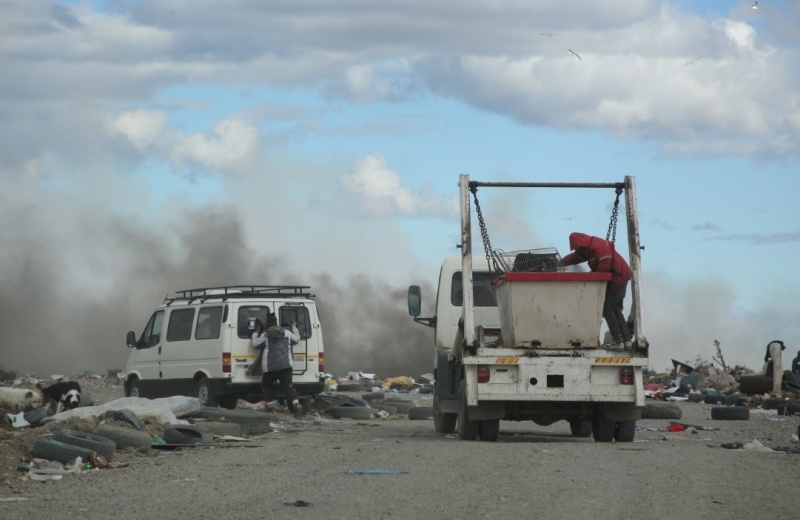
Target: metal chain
[612,226]
[487,245]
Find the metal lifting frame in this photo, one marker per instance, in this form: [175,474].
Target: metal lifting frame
[634,246]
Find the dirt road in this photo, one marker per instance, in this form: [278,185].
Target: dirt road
[310,468]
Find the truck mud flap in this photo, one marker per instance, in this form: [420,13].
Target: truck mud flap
[619,411]
[487,410]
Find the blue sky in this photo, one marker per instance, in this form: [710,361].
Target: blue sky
[329,136]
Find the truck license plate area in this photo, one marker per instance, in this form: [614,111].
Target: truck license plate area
[555,381]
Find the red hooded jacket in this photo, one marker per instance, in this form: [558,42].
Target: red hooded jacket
[602,258]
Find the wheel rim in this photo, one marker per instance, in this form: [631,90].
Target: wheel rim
[202,395]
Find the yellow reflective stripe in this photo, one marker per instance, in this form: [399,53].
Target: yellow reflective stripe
[612,360]
[507,360]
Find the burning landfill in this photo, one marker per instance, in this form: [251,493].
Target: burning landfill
[108,431]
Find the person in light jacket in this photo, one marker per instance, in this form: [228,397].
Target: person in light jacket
[603,258]
[277,360]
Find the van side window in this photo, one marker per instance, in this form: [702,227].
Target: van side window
[180,325]
[482,292]
[247,315]
[151,337]
[209,320]
[299,314]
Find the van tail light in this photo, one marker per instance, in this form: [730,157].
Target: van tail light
[226,362]
[626,376]
[484,373]
[322,363]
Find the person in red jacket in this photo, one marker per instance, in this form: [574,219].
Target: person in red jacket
[603,258]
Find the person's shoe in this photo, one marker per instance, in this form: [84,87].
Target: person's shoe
[617,345]
[298,411]
[628,345]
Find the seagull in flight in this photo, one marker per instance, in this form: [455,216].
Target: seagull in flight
[754,6]
[549,35]
[575,53]
[691,62]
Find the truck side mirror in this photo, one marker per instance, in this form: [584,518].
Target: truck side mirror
[131,339]
[414,300]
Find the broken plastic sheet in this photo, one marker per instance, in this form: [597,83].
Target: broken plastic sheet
[166,410]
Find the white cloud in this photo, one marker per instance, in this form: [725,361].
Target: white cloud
[379,192]
[143,128]
[232,146]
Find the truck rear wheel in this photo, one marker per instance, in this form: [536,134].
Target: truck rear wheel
[625,431]
[443,422]
[489,429]
[580,427]
[467,430]
[602,428]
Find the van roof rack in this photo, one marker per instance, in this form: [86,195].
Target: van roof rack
[240,291]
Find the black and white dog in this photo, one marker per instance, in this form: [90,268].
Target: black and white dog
[64,395]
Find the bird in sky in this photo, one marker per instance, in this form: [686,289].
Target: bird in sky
[575,53]
[754,6]
[549,35]
[691,62]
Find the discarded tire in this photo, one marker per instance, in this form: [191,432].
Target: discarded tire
[252,422]
[100,445]
[695,398]
[712,399]
[348,387]
[755,384]
[371,397]
[661,411]
[730,413]
[51,449]
[125,437]
[187,434]
[350,412]
[402,406]
[732,399]
[221,428]
[419,413]
[788,408]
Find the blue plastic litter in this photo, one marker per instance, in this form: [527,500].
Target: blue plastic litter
[376,472]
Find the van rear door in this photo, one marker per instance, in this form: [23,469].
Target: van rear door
[306,352]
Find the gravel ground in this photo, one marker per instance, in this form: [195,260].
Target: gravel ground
[309,468]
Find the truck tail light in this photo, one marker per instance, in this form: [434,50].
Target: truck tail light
[226,362]
[484,373]
[321,363]
[626,376]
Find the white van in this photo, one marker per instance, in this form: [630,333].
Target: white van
[197,343]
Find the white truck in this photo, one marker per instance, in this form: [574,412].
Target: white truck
[517,336]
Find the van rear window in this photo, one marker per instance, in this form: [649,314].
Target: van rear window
[180,325]
[246,317]
[482,292]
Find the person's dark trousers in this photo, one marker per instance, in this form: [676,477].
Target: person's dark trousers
[284,379]
[612,312]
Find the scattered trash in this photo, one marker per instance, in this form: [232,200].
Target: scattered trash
[298,503]
[377,472]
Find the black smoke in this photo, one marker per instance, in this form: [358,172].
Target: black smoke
[52,324]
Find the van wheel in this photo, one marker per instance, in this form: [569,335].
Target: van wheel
[204,393]
[133,388]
